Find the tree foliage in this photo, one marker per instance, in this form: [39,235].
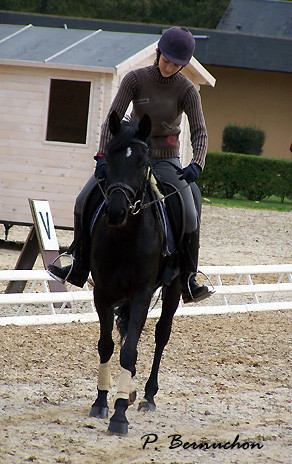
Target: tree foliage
[191,13]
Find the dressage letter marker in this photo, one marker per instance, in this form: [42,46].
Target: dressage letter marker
[41,239]
[45,225]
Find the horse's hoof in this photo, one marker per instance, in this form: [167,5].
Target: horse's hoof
[117,428]
[99,411]
[145,406]
[132,397]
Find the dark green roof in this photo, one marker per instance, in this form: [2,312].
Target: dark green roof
[244,51]
[263,18]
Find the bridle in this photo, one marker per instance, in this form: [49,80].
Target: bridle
[129,193]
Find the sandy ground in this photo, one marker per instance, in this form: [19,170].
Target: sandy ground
[224,379]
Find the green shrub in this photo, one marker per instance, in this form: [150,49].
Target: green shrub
[247,140]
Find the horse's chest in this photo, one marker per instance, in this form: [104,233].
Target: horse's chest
[125,260]
[125,252]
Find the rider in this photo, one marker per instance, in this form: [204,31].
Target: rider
[164,93]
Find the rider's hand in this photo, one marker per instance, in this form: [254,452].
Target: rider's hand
[190,173]
[100,168]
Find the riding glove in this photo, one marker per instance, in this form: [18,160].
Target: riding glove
[100,168]
[190,173]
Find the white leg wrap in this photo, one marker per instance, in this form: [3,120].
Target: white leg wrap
[105,381]
[125,384]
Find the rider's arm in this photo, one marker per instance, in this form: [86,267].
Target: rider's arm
[123,98]
[193,108]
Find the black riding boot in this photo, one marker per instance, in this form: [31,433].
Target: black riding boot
[77,273]
[189,255]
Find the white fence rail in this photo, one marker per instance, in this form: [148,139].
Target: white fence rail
[249,297]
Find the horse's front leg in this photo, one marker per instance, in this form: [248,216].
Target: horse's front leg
[105,349]
[162,334]
[128,357]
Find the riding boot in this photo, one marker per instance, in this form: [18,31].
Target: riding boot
[189,256]
[77,272]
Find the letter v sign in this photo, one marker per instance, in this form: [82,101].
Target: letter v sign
[45,225]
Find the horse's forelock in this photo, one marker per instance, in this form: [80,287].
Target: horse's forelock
[128,131]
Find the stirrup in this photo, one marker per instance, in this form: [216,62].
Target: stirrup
[206,295]
[209,280]
[59,279]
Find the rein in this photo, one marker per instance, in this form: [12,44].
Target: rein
[126,189]
[146,205]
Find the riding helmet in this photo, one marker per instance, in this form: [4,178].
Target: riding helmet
[177,44]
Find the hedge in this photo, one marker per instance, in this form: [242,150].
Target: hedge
[251,177]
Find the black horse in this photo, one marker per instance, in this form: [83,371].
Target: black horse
[126,266]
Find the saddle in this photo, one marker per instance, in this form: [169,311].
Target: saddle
[170,213]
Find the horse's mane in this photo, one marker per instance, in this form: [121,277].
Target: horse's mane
[128,131]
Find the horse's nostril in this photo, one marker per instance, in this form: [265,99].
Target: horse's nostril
[116,218]
[123,213]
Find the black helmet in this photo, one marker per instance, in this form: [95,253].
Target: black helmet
[177,44]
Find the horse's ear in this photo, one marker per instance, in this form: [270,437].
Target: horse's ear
[114,123]
[145,127]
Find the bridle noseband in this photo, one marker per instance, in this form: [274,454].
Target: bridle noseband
[125,189]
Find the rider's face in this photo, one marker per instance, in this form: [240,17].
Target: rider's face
[167,68]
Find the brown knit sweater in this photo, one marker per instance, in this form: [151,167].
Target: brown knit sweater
[164,100]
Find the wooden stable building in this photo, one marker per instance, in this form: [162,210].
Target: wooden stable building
[56,88]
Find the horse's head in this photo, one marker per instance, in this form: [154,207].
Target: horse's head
[127,160]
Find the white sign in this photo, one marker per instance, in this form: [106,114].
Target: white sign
[45,225]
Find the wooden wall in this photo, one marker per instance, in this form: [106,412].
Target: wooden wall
[32,167]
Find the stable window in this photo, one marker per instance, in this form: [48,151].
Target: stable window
[68,111]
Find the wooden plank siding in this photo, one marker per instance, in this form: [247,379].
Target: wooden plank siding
[32,167]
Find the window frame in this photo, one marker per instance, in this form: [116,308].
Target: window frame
[46,121]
